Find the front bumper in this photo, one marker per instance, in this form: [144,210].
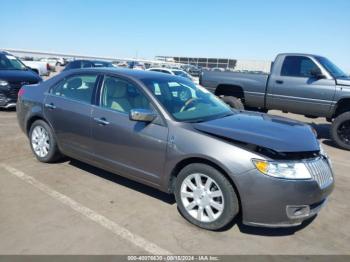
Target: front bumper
[273,202]
[7,102]
[8,97]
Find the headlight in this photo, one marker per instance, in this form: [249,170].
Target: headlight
[3,83]
[287,170]
[322,152]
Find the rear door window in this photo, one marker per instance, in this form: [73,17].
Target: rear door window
[78,87]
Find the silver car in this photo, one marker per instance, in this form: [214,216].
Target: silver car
[163,131]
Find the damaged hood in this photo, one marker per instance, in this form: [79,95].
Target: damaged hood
[277,133]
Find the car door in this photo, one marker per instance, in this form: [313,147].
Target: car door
[68,109]
[296,90]
[135,149]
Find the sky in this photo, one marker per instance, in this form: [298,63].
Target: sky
[239,29]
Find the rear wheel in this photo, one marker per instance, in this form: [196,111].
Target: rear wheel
[43,142]
[205,197]
[233,102]
[340,131]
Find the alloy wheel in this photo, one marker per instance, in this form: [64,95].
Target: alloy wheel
[40,141]
[202,197]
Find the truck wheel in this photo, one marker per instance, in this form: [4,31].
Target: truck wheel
[233,102]
[340,131]
[205,197]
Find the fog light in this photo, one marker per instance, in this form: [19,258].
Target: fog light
[298,211]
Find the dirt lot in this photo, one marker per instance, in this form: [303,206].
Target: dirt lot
[73,208]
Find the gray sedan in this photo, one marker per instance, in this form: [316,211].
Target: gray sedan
[165,132]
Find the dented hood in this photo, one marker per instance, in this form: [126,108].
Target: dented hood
[277,133]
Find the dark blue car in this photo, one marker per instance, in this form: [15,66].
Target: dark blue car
[13,75]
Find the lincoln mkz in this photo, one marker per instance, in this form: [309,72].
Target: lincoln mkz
[165,132]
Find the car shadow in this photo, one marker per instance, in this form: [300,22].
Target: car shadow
[170,199]
[273,232]
[12,109]
[152,192]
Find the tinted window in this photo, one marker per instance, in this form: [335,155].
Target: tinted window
[73,65]
[298,66]
[79,88]
[102,64]
[86,64]
[9,62]
[122,96]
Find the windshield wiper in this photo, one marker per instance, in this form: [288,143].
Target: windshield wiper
[199,120]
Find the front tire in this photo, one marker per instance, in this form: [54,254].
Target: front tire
[43,142]
[340,131]
[233,102]
[205,197]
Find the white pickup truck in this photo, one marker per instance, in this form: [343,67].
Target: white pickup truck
[42,68]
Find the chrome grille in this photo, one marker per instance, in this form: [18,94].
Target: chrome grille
[320,171]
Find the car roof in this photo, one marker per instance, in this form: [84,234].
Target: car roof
[88,60]
[299,54]
[136,74]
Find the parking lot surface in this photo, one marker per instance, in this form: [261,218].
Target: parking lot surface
[73,208]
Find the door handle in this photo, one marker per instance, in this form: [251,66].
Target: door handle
[101,121]
[50,106]
[279,82]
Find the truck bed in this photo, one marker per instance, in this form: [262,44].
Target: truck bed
[252,84]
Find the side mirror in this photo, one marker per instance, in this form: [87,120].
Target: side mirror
[316,72]
[142,115]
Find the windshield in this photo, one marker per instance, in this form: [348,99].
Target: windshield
[9,62]
[187,102]
[331,68]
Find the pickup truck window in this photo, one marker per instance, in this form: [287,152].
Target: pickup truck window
[297,66]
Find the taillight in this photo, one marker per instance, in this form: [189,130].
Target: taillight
[21,92]
[47,66]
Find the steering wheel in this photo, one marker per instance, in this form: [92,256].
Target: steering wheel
[189,102]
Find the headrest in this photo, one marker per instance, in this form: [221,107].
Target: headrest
[115,88]
[74,83]
[121,89]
